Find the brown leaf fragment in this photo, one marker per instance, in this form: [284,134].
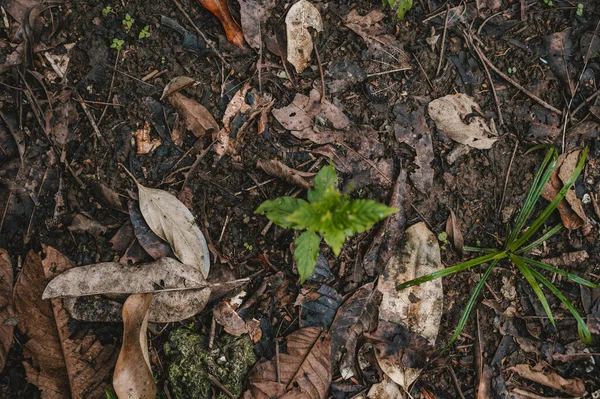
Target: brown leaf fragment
[278,169]
[176,84]
[60,364]
[107,196]
[85,224]
[153,244]
[221,10]
[567,259]
[232,323]
[560,51]
[197,119]
[7,312]
[304,372]
[542,374]
[302,17]
[454,234]
[144,144]
[133,375]
[253,14]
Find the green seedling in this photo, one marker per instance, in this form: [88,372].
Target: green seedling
[580,10]
[110,394]
[144,32]
[117,44]
[512,70]
[549,3]
[327,214]
[128,22]
[106,10]
[518,243]
[443,239]
[248,246]
[401,6]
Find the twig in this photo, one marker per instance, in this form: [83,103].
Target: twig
[320,72]
[211,335]
[209,43]
[88,114]
[277,370]
[455,380]
[196,163]
[223,229]
[388,72]
[35,206]
[255,186]
[130,76]
[587,100]
[110,90]
[443,46]
[220,386]
[512,158]
[424,73]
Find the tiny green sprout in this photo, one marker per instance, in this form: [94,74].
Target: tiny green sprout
[248,246]
[110,394]
[401,6]
[163,59]
[550,3]
[117,44]
[512,70]
[128,22]
[443,237]
[144,32]
[106,10]
[580,10]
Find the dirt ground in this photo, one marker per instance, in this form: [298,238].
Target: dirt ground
[42,191]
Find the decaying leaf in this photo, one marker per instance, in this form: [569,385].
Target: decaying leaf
[153,244]
[233,324]
[560,51]
[60,364]
[386,389]
[83,223]
[318,308]
[454,116]
[301,18]
[7,314]
[143,143]
[304,372]
[176,84]
[454,234]
[253,13]
[420,307]
[542,374]
[356,316]
[133,375]
[221,10]
[197,119]
[173,222]
[276,168]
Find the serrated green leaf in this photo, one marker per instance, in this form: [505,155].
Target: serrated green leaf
[319,215]
[360,215]
[335,239]
[324,179]
[279,209]
[306,252]
[401,6]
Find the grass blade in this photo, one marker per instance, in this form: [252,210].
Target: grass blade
[540,240]
[471,303]
[451,270]
[582,329]
[527,272]
[550,208]
[573,277]
[481,250]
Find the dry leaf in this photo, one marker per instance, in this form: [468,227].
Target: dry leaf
[253,13]
[133,375]
[233,324]
[7,314]
[304,371]
[221,10]
[276,168]
[153,244]
[300,19]
[386,389]
[418,307]
[143,143]
[82,223]
[560,51]
[545,376]
[60,364]
[173,222]
[453,115]
[454,234]
[177,84]
[197,119]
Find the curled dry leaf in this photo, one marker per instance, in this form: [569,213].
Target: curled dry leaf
[233,324]
[143,143]
[60,364]
[454,234]
[85,224]
[197,119]
[418,307]
[453,115]
[301,18]
[153,244]
[545,376]
[133,376]
[7,313]
[304,372]
[276,168]
[253,13]
[173,222]
[177,84]
[221,10]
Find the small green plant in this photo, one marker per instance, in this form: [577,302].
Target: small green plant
[106,10]
[144,32]
[549,3]
[443,238]
[517,245]
[128,22]
[248,246]
[110,394]
[512,70]
[117,44]
[328,214]
[401,6]
[163,59]
[580,10]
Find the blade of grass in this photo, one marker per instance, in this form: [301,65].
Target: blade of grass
[471,303]
[482,250]
[582,329]
[451,270]
[550,208]
[540,240]
[573,277]
[527,273]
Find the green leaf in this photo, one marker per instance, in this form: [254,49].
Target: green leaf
[324,179]
[319,215]
[360,215]
[573,277]
[540,240]
[110,394]
[401,6]
[527,272]
[279,209]
[306,252]
[335,239]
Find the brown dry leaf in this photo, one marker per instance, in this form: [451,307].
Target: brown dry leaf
[233,324]
[356,316]
[454,234]
[299,21]
[565,171]
[542,374]
[276,168]
[304,371]
[60,364]
[143,143]
[420,307]
[220,9]
[7,313]
[567,259]
[82,223]
[451,113]
[107,196]
[560,51]
[386,389]
[177,84]
[197,119]
[253,13]
[153,244]
[133,374]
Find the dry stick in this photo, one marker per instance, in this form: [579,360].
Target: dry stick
[209,42]
[455,380]
[320,72]
[88,114]
[512,158]
[424,73]
[443,47]
[110,90]
[130,76]
[211,336]
[220,386]
[277,361]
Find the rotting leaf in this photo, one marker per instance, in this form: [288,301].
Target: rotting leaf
[542,374]
[420,307]
[153,244]
[133,375]
[196,117]
[304,371]
[560,51]
[276,168]
[253,13]
[143,143]
[454,234]
[233,324]
[318,308]
[176,84]
[454,116]
[221,10]
[60,364]
[301,18]
[83,223]
[7,314]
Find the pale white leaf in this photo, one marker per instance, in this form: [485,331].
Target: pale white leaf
[301,16]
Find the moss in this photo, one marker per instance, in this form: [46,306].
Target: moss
[189,362]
